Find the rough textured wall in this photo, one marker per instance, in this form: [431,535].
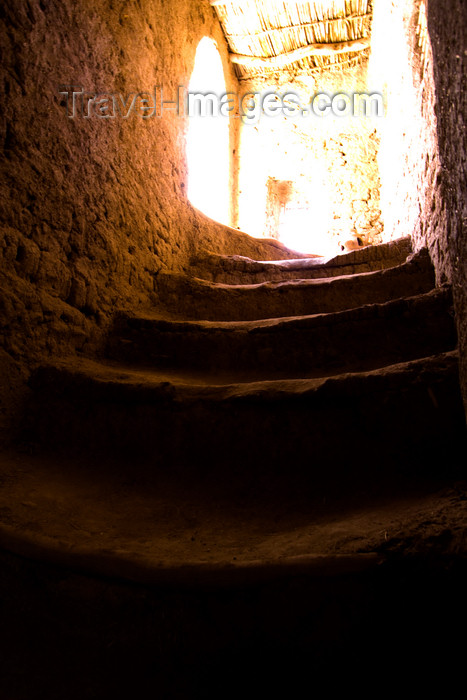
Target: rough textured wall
[408,156]
[447,27]
[352,174]
[423,144]
[93,208]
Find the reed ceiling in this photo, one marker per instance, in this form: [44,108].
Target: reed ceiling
[267,37]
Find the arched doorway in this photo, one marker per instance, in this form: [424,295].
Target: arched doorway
[208,135]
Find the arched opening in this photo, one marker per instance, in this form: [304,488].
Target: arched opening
[344,172]
[208,135]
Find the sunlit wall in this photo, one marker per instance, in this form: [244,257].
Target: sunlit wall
[332,163]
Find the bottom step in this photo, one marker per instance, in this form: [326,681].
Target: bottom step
[93,518]
[96,606]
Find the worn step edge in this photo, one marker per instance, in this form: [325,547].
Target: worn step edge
[123,564]
[200,299]
[150,320]
[156,427]
[215,265]
[358,339]
[110,375]
[416,260]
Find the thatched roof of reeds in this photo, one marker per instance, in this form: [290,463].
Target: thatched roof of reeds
[267,36]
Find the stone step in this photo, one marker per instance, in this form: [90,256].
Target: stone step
[197,299]
[169,537]
[236,269]
[167,532]
[178,594]
[307,432]
[357,339]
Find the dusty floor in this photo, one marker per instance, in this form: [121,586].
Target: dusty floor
[356,593]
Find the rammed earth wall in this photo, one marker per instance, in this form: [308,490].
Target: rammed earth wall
[93,209]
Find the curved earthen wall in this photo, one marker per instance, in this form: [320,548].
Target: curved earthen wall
[447,26]
[423,138]
[93,208]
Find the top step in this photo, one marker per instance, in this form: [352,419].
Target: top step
[236,269]
[193,298]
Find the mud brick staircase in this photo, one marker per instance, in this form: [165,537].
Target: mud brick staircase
[243,481]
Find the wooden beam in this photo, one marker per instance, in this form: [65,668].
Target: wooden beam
[309,25]
[286,59]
